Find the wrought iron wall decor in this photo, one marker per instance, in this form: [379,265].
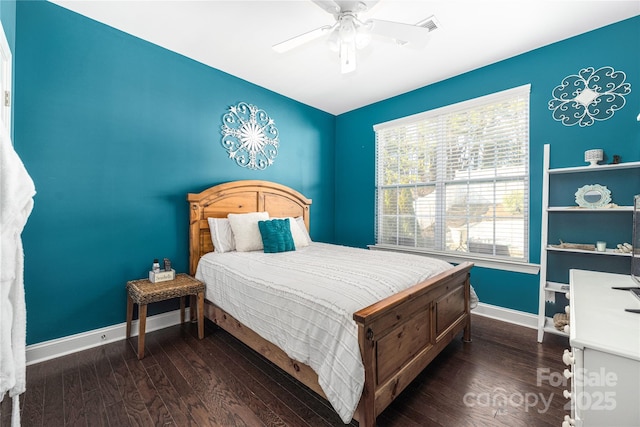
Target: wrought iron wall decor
[589,96]
[250,136]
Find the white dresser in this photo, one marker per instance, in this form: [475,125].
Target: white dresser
[604,357]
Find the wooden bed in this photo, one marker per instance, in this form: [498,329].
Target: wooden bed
[398,336]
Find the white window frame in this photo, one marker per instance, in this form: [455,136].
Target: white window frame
[490,261]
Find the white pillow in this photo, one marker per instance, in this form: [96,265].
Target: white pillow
[246,232]
[298,232]
[221,235]
[303,227]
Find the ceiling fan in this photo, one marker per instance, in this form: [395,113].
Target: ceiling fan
[349,33]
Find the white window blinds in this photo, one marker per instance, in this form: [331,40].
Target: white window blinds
[457,178]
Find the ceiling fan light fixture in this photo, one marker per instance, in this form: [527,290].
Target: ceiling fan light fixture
[334,41]
[347,28]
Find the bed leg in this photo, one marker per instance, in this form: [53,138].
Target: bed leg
[367,419]
[466,335]
[366,408]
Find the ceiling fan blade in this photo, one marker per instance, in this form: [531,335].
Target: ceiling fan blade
[338,6]
[296,41]
[329,6]
[402,33]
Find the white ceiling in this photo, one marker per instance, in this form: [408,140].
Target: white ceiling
[236,37]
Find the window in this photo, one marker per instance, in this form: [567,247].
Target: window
[455,180]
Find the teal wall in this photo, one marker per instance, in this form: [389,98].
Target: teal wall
[8,18]
[115,132]
[616,46]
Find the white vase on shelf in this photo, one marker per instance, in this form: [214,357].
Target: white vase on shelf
[594,156]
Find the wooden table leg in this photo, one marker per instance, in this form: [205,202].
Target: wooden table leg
[142,325]
[192,308]
[181,310]
[129,315]
[200,315]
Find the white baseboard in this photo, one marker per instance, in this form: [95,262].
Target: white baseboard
[66,345]
[507,315]
[70,344]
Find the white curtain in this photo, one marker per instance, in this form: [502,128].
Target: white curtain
[16,202]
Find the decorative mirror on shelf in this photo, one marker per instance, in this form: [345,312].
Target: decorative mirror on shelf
[250,136]
[593,196]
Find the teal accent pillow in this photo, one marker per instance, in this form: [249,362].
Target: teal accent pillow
[276,235]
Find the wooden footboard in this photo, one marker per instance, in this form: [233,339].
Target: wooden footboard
[400,335]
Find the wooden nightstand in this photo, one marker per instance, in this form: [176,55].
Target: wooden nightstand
[143,292]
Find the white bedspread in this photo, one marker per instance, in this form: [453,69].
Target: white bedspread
[303,301]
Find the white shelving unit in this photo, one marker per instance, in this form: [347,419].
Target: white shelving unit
[545,323]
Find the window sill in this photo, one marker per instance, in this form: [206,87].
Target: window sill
[478,260]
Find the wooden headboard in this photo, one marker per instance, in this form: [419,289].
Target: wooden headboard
[238,197]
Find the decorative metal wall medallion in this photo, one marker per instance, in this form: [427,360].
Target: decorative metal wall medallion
[589,95]
[250,136]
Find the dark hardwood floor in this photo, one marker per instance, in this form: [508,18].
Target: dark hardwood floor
[502,378]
